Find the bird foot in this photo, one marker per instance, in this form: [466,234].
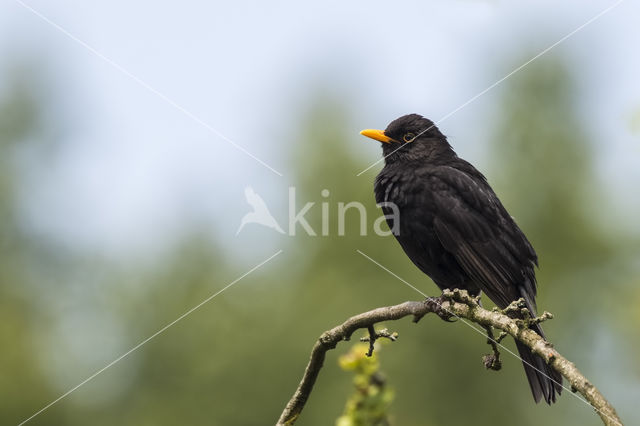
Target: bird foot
[517,307]
[525,318]
[437,306]
[461,296]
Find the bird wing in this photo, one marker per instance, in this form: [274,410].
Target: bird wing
[472,224]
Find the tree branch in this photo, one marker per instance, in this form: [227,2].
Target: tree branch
[492,361]
[456,303]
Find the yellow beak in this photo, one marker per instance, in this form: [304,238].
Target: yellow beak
[377,135]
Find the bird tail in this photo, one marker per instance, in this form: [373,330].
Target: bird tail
[543,380]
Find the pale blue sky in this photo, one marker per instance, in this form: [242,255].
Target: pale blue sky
[134,164]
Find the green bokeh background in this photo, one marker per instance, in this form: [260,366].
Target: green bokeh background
[237,359]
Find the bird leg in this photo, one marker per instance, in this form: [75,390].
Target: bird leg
[448,296]
[516,307]
[375,335]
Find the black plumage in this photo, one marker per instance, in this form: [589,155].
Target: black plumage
[455,229]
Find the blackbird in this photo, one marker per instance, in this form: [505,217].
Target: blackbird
[455,229]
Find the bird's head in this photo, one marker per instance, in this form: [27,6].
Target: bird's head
[411,137]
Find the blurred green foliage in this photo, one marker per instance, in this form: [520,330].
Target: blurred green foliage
[369,404]
[236,361]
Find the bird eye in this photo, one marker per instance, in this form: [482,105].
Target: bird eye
[408,137]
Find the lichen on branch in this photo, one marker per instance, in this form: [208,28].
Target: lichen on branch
[451,304]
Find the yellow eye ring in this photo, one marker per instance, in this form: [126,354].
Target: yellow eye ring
[408,137]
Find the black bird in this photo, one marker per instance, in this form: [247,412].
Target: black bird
[455,229]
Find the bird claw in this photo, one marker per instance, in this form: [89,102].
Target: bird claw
[516,307]
[437,304]
[447,317]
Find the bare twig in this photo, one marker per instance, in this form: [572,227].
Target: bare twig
[492,361]
[451,304]
[375,335]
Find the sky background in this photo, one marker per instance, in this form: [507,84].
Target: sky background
[245,69]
